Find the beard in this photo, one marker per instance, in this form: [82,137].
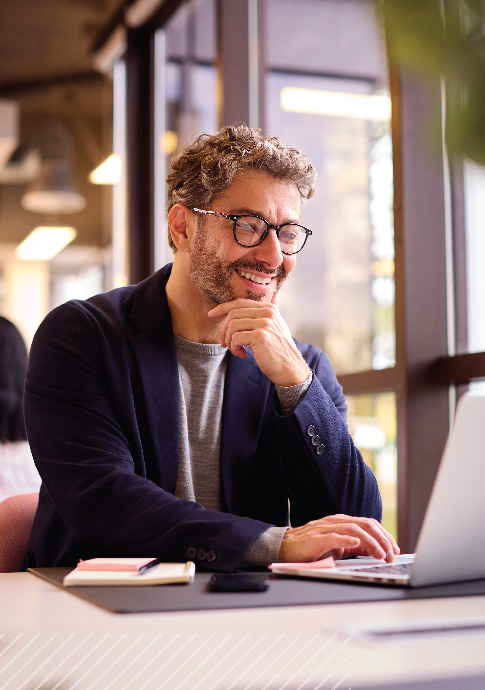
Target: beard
[213,275]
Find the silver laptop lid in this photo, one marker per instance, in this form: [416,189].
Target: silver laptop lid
[451,544]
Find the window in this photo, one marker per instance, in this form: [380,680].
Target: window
[372,424]
[474,193]
[326,93]
[185,95]
[119,219]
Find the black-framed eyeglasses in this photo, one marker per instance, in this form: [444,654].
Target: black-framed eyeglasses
[249,231]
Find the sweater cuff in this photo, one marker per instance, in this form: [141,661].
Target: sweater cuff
[290,396]
[265,548]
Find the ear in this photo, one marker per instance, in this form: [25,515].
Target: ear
[179,222]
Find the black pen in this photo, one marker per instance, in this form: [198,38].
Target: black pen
[147,566]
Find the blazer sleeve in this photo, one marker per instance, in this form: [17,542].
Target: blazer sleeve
[326,473]
[97,499]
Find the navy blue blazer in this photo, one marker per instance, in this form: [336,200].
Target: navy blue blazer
[102,416]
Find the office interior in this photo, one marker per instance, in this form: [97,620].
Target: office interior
[391,287]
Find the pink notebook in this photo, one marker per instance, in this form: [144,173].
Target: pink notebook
[124,564]
[323,563]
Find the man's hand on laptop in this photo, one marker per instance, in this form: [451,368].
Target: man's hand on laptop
[338,536]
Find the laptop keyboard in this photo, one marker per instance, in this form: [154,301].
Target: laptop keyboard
[386,569]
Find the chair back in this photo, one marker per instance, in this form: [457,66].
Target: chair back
[16,519]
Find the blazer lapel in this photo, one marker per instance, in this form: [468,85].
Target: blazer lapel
[245,396]
[154,350]
[157,366]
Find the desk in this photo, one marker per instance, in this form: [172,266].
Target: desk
[50,638]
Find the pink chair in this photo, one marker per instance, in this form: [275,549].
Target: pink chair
[16,518]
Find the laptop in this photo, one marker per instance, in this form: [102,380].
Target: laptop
[451,543]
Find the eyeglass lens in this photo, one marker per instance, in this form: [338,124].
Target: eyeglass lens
[249,231]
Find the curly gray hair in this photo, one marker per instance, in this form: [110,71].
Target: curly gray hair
[205,167]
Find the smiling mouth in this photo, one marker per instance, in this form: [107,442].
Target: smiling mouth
[260,280]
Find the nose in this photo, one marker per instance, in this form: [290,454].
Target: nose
[269,251]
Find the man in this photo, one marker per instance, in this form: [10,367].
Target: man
[178,418]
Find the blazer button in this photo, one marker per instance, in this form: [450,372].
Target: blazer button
[201,554]
[211,556]
[320,449]
[311,430]
[191,553]
[315,440]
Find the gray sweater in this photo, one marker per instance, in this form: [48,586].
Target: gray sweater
[202,369]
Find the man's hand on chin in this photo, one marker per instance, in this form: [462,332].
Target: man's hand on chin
[261,327]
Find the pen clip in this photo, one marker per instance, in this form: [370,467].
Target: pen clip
[148,566]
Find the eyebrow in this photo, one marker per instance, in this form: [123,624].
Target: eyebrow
[251,212]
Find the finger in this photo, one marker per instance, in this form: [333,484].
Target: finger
[223,335]
[249,311]
[239,320]
[239,352]
[234,315]
[335,545]
[225,307]
[239,340]
[252,326]
[368,541]
[227,339]
[394,545]
[220,310]
[374,528]
[385,538]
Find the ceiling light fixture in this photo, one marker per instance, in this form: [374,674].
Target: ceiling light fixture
[9,129]
[108,172]
[106,56]
[140,11]
[53,191]
[43,243]
[336,103]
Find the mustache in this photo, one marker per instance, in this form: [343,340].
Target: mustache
[252,264]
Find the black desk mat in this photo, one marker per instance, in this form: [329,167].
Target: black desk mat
[283,591]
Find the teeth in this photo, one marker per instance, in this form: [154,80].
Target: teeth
[255,279]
